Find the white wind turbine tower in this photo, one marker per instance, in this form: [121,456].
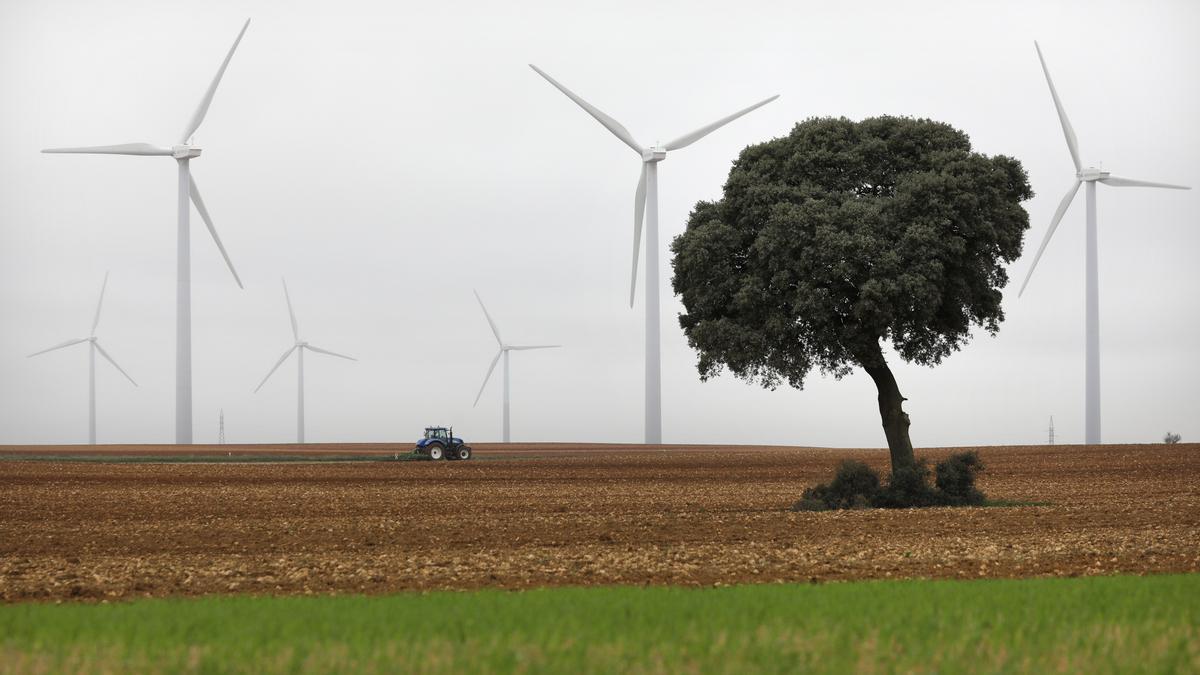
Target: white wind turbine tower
[1091,176]
[503,351]
[93,347]
[646,202]
[299,346]
[183,152]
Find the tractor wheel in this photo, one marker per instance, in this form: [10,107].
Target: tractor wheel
[464,452]
[435,452]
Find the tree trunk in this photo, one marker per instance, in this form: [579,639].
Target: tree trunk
[891,411]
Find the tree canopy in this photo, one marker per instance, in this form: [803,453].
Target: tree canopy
[843,236]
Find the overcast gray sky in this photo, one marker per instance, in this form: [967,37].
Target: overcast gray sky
[389,157]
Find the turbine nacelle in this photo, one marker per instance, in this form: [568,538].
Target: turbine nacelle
[654,154]
[185,151]
[1092,174]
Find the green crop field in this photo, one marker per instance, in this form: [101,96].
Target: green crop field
[1093,625]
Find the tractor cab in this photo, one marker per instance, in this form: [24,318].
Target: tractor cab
[437,433]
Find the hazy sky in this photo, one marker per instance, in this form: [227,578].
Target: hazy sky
[386,158]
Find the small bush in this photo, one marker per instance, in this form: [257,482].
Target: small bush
[909,487]
[955,479]
[856,486]
[1172,438]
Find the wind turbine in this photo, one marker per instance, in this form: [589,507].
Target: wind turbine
[503,351]
[183,152]
[299,346]
[1090,176]
[645,201]
[93,347]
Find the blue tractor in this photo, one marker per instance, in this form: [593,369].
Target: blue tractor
[440,443]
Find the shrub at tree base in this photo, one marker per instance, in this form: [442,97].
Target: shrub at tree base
[955,479]
[909,487]
[856,485]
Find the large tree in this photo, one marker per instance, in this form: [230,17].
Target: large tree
[841,237]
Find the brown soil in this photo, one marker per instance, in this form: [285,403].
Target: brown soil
[547,514]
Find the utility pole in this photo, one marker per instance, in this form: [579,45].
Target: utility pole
[1052,430]
[221,432]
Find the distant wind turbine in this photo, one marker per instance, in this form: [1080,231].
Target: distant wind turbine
[1091,176]
[503,351]
[645,201]
[93,347]
[183,152]
[299,346]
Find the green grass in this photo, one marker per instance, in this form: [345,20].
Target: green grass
[1093,625]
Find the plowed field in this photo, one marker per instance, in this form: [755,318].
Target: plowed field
[521,516]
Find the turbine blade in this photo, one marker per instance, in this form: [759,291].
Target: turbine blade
[99,304]
[68,343]
[1117,181]
[202,109]
[275,367]
[291,314]
[1058,215]
[495,331]
[145,149]
[639,211]
[326,351]
[688,139]
[1068,131]
[487,377]
[199,202]
[608,122]
[110,360]
[522,347]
